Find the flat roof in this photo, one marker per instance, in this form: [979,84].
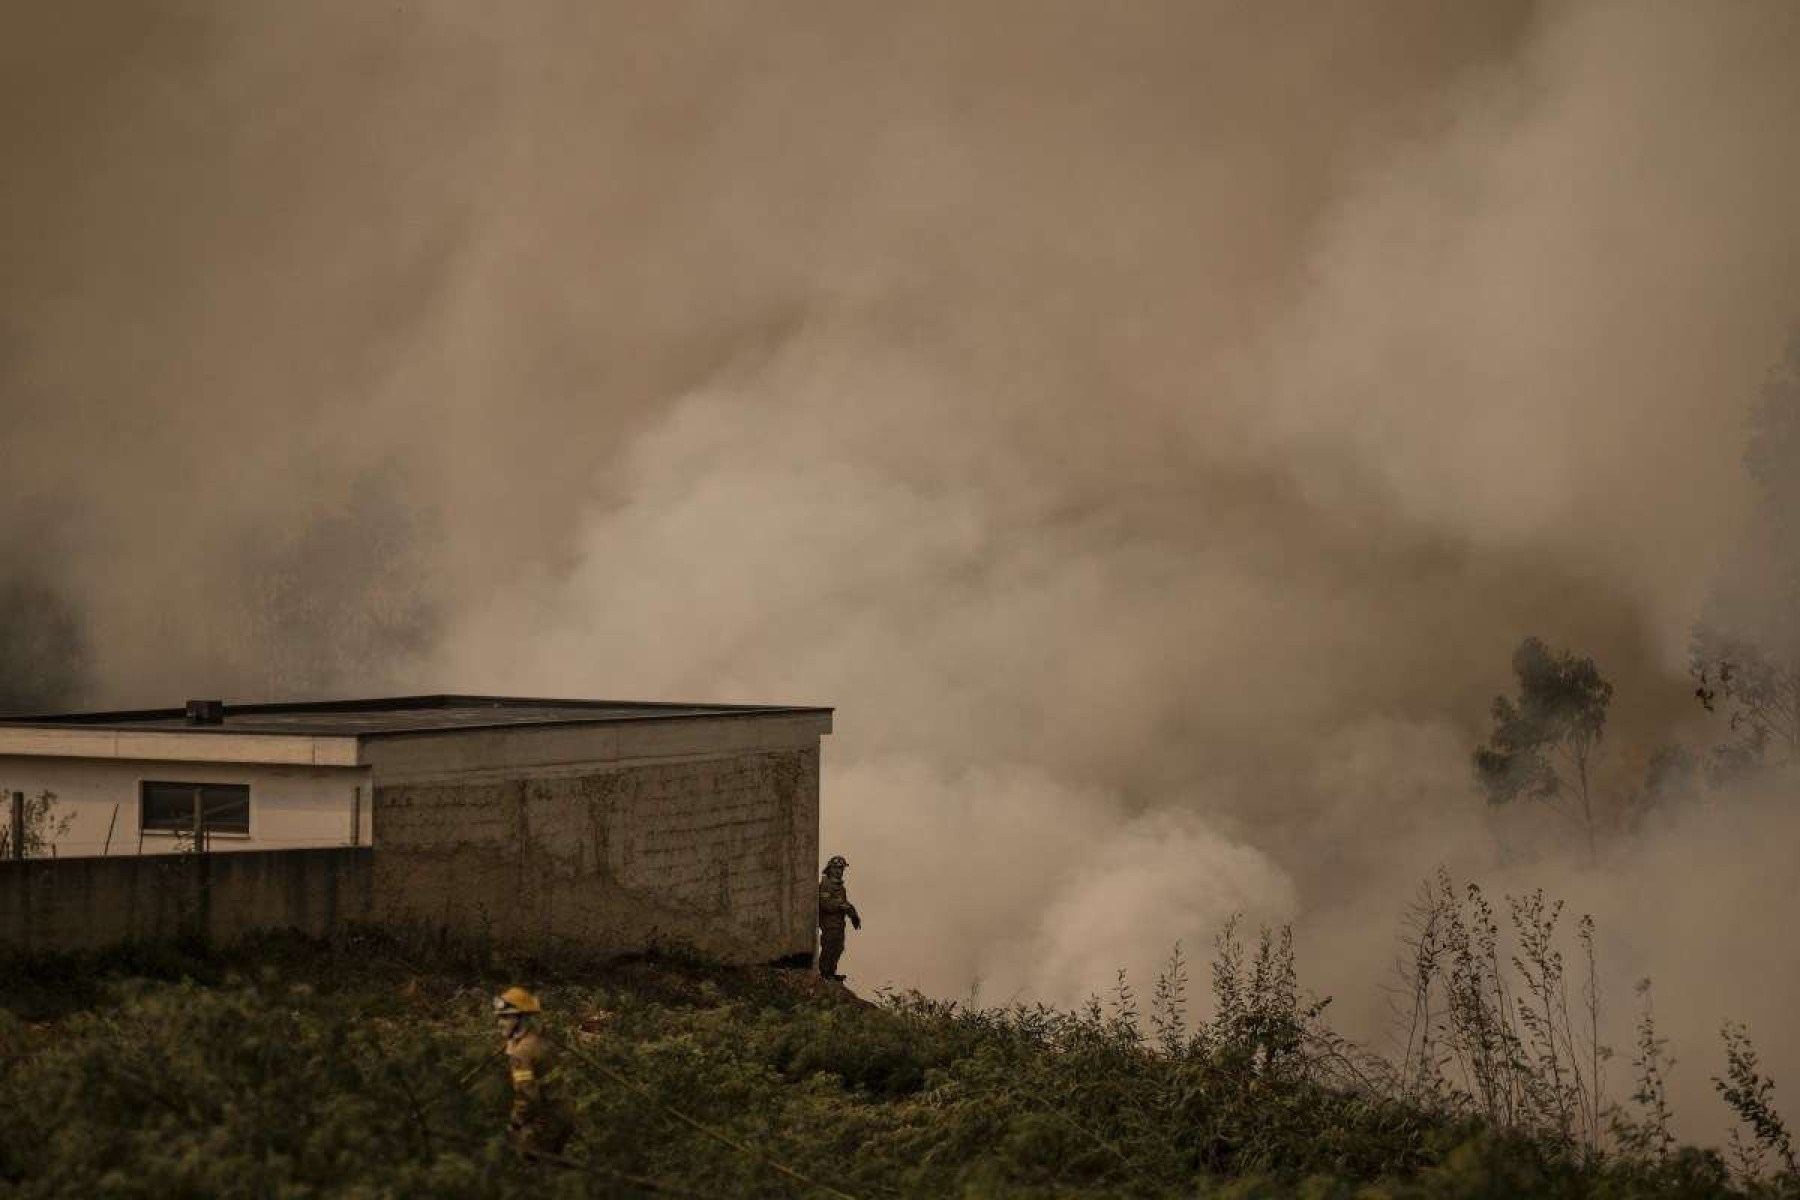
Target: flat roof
[397,715]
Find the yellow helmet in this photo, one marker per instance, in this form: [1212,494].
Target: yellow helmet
[516,1001]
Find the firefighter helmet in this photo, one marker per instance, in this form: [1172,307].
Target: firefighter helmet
[838,862]
[516,1001]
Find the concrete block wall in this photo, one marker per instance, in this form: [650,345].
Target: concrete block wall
[84,903]
[719,851]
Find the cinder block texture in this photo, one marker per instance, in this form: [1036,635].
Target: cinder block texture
[719,853]
[79,903]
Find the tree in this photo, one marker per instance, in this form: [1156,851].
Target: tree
[1745,650]
[1759,691]
[43,826]
[1543,743]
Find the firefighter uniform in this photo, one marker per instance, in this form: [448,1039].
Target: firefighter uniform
[538,1123]
[834,908]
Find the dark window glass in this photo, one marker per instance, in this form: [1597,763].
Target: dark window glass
[169,807]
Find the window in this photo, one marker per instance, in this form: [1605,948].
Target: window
[169,807]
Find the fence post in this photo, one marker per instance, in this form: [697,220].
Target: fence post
[356,818]
[18,825]
[199,822]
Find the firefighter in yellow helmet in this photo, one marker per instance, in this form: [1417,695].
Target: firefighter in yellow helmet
[539,1123]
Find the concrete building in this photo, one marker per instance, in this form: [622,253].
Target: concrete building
[613,824]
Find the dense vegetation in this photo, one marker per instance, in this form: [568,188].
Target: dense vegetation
[366,1067]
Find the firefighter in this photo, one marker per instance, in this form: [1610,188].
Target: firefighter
[539,1124]
[834,906]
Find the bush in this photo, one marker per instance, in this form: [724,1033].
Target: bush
[244,1089]
[365,1066]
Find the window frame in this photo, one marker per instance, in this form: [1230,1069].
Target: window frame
[147,830]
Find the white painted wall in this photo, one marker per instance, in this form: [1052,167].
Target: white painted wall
[297,800]
[291,807]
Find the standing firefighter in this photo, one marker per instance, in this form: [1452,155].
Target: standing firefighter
[538,1123]
[834,906]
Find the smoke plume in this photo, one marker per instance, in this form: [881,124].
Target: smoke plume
[1152,429]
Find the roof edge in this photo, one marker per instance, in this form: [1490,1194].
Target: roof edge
[387,703]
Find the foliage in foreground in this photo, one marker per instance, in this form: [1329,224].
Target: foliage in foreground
[366,1068]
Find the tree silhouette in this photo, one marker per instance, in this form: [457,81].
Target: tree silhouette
[1543,742]
[1745,650]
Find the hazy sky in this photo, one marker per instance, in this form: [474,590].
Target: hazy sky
[1152,426]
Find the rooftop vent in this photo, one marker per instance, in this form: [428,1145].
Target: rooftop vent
[206,712]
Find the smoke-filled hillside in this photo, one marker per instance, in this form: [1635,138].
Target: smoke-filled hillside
[1154,429]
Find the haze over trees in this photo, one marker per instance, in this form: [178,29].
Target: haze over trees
[1744,656]
[1544,741]
[1745,652]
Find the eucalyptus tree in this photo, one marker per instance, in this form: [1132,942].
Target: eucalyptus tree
[1544,740]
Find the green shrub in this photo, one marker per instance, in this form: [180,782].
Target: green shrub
[365,1066]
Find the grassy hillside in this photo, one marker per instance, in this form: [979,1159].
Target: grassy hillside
[365,1067]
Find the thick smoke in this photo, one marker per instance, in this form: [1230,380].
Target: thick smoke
[1152,429]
